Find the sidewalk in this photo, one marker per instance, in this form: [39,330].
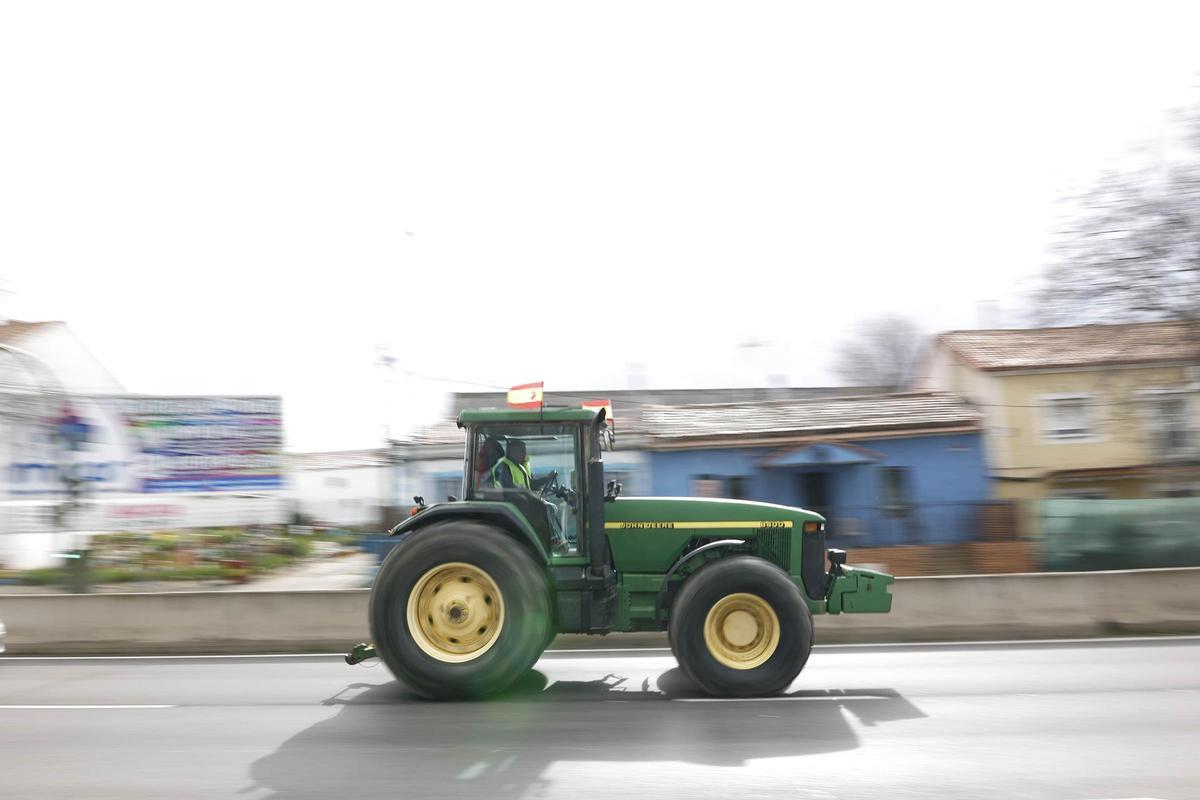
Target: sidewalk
[344,572]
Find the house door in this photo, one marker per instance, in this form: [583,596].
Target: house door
[815,489]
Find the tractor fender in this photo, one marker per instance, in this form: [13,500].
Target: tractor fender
[501,515]
[662,592]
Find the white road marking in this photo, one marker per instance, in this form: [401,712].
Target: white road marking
[473,771]
[782,698]
[610,650]
[177,657]
[1047,642]
[77,708]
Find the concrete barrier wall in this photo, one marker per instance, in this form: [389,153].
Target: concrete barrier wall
[1033,605]
[185,622]
[1040,605]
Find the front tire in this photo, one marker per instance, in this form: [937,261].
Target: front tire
[460,609]
[740,628]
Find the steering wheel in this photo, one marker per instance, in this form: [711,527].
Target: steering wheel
[551,482]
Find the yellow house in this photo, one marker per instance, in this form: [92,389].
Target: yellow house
[1101,411]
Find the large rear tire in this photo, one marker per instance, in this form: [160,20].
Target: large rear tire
[740,628]
[460,609]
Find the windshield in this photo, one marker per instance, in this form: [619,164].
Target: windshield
[537,467]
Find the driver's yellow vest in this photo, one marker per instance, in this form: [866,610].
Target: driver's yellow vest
[520,473]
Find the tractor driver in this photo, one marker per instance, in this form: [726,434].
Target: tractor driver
[513,470]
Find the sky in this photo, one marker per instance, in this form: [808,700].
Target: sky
[239,198]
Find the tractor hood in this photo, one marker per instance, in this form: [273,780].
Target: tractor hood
[692,512]
[648,534]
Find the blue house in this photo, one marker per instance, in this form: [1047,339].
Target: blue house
[883,469]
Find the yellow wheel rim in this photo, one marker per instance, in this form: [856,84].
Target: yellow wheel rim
[455,612]
[741,631]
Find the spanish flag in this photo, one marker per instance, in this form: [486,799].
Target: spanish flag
[599,404]
[527,395]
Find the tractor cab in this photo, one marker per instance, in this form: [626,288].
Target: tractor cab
[547,464]
[537,469]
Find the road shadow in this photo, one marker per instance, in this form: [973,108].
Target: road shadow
[386,741]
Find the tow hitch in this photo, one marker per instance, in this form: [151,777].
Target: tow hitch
[360,652]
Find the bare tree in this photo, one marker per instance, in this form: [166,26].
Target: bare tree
[1131,249]
[1130,252]
[882,353]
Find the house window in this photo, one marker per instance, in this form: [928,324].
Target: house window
[623,477]
[1067,417]
[444,487]
[1171,424]
[1081,494]
[739,487]
[897,495]
[1177,490]
[707,486]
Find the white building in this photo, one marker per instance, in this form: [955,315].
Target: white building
[343,488]
[55,349]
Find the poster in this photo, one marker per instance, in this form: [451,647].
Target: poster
[204,444]
[143,444]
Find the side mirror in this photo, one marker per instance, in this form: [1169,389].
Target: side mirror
[837,559]
[612,492]
[608,439]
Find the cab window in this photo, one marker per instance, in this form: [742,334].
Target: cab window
[537,468]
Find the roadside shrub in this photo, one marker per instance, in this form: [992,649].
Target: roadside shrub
[296,547]
[272,561]
[44,576]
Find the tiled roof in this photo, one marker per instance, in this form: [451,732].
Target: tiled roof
[885,412]
[631,405]
[337,459]
[14,330]
[820,415]
[443,432]
[1087,345]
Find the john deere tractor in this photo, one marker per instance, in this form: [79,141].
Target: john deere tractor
[475,589]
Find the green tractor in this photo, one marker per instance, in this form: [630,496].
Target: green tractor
[476,589]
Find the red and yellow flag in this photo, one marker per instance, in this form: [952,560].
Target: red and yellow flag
[599,404]
[527,395]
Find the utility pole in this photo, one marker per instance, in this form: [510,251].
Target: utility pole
[386,362]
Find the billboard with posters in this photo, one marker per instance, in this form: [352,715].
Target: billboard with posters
[204,444]
[146,444]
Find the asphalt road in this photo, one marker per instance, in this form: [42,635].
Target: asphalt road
[1066,721]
